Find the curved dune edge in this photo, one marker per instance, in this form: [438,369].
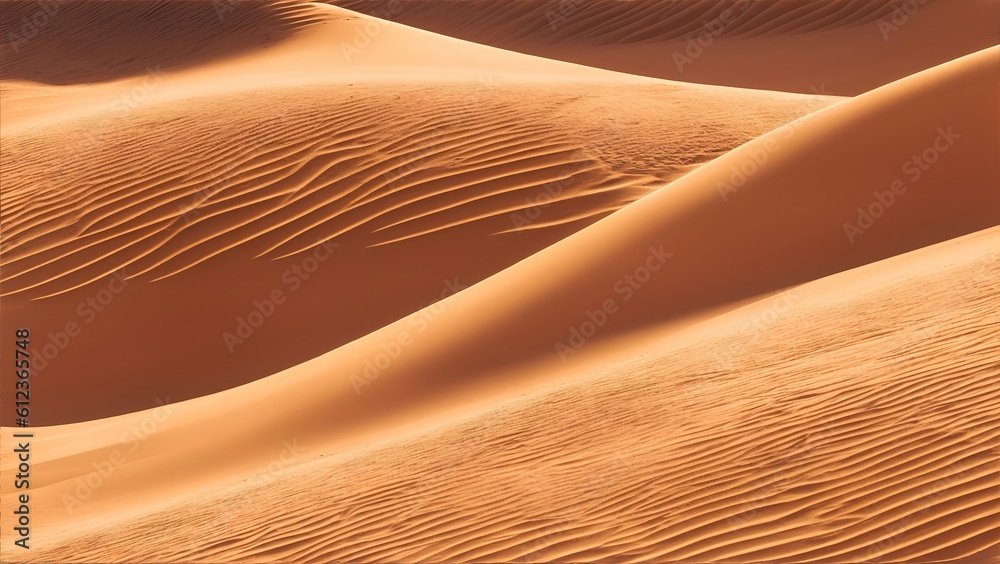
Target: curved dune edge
[230,179]
[790,218]
[249,52]
[524,312]
[87,41]
[848,47]
[462,354]
[315,169]
[869,434]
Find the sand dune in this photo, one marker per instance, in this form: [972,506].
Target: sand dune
[500,339]
[856,437]
[803,188]
[844,47]
[76,42]
[229,49]
[402,297]
[166,199]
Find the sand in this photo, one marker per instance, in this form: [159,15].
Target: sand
[306,285]
[458,181]
[842,47]
[856,438]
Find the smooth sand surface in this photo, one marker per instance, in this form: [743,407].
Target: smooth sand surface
[744,326]
[842,47]
[150,180]
[831,422]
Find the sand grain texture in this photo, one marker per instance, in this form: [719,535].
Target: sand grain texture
[198,211]
[842,47]
[530,310]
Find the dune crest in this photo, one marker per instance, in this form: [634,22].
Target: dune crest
[64,43]
[848,47]
[667,468]
[478,347]
[308,285]
[459,180]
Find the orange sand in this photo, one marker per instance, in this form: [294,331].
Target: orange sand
[527,310]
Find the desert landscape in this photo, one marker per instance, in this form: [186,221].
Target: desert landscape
[500,281]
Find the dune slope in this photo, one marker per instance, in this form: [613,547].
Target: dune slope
[784,353]
[501,337]
[856,420]
[846,47]
[359,190]
[72,42]
[802,210]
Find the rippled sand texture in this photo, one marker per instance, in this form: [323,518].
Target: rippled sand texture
[842,47]
[425,175]
[529,310]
